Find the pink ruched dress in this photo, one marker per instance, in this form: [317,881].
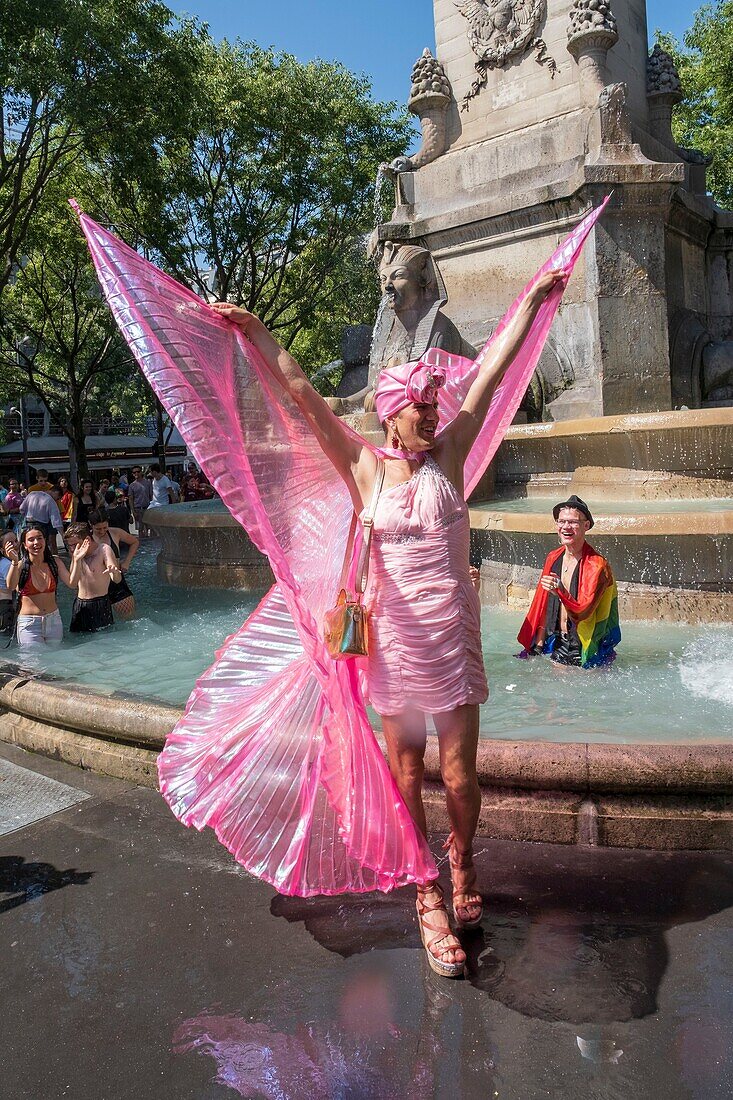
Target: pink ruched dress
[425,615]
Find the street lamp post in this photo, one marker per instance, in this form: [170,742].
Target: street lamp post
[20,410]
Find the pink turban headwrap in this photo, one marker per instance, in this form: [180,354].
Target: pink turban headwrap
[400,386]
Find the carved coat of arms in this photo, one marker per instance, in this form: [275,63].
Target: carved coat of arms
[499,30]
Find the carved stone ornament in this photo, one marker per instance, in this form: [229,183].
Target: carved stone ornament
[662,77]
[592,26]
[430,94]
[499,30]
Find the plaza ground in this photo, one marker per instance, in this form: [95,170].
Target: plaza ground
[139,961]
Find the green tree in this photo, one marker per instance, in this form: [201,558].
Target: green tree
[704,118]
[106,79]
[58,339]
[276,193]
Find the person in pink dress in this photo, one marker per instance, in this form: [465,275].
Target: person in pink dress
[425,653]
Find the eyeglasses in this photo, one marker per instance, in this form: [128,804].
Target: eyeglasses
[568,522]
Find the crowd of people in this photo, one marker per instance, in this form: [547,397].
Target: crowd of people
[95,529]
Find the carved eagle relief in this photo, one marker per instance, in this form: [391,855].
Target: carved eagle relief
[501,29]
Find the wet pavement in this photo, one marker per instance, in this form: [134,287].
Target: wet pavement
[138,960]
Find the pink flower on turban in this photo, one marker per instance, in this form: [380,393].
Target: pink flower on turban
[399,386]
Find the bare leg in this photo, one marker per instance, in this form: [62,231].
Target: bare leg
[406,737]
[458,742]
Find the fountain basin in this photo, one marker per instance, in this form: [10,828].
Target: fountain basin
[648,456]
[670,684]
[203,546]
[666,797]
[647,758]
[659,486]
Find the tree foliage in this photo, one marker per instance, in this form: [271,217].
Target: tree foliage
[108,80]
[58,339]
[275,195]
[704,119]
[223,158]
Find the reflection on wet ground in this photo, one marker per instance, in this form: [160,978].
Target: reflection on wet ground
[168,972]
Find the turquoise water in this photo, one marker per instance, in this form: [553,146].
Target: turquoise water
[598,507]
[669,683]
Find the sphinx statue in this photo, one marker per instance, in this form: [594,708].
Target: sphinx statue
[410,318]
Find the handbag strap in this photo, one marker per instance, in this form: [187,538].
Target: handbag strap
[367,522]
[367,519]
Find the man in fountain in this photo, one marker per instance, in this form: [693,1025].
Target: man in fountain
[92,610]
[574,614]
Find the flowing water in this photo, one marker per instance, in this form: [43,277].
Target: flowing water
[670,683]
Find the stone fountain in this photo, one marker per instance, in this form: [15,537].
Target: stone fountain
[203,546]
[531,113]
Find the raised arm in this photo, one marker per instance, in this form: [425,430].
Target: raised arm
[64,575]
[11,581]
[337,444]
[460,435]
[71,577]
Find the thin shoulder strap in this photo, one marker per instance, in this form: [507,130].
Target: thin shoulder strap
[348,552]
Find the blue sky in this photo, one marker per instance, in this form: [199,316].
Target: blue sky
[381,38]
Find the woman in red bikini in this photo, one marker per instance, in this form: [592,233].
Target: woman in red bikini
[35,573]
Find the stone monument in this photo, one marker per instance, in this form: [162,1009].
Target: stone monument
[532,112]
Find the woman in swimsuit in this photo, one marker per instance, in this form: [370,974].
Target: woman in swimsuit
[35,573]
[424,633]
[120,593]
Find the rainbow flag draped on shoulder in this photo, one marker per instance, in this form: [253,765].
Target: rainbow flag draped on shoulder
[594,610]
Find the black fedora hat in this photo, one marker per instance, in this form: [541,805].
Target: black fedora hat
[578,504]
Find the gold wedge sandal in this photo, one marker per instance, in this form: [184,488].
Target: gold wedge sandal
[432,936]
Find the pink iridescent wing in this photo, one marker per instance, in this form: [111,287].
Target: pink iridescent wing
[274,752]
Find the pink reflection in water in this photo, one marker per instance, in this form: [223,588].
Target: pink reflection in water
[255,1061]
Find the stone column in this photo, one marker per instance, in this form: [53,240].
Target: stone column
[591,34]
[628,261]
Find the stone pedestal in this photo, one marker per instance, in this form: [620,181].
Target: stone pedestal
[533,141]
